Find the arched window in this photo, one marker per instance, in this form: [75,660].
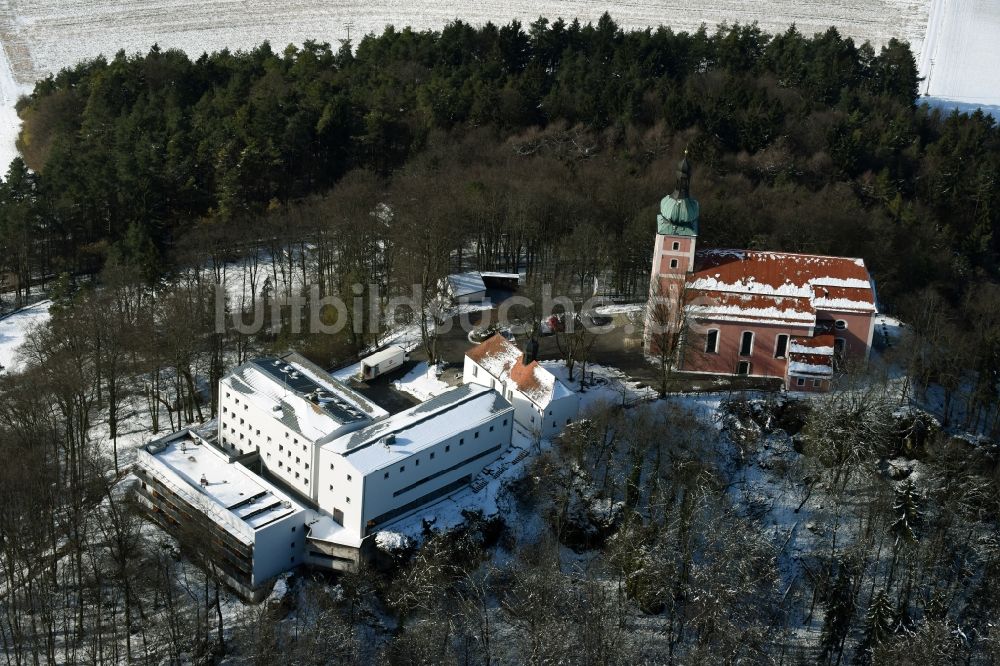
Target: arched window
[746,343]
[781,346]
[712,341]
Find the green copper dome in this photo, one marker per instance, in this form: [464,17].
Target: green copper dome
[677,217]
[678,214]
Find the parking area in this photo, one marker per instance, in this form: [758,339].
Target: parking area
[381,391]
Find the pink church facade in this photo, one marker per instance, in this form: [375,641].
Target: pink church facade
[797,317]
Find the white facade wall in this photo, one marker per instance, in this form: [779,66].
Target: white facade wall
[543,421]
[341,488]
[279,547]
[363,497]
[398,486]
[285,453]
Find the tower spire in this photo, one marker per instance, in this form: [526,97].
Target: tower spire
[683,178]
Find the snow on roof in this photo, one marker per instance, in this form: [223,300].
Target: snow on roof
[233,496]
[820,344]
[464,284]
[321,527]
[752,308]
[822,283]
[810,364]
[447,414]
[502,359]
[310,404]
[811,369]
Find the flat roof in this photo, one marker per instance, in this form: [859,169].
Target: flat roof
[312,405]
[235,497]
[446,414]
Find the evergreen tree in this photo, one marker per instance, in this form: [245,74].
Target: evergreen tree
[879,625]
[907,511]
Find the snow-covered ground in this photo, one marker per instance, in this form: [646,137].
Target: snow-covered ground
[10,124]
[960,57]
[421,382]
[13,329]
[42,36]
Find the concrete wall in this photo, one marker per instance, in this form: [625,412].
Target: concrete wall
[388,488]
[278,547]
[809,385]
[857,334]
[286,454]
[664,252]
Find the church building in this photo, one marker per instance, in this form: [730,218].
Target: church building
[799,317]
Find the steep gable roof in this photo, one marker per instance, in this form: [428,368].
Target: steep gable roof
[503,360]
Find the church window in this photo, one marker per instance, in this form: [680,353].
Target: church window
[746,343]
[743,368]
[781,346]
[816,383]
[673,263]
[712,341]
[839,345]
[800,381]
[840,325]
[677,245]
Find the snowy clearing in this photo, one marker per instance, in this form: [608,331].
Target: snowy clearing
[14,329]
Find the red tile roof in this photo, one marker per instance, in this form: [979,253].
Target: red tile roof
[749,285]
[500,357]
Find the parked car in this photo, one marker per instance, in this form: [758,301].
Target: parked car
[598,319]
[480,334]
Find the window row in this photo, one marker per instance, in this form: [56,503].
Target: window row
[747,343]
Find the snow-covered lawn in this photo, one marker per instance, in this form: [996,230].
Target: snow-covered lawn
[14,328]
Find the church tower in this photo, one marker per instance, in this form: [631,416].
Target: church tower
[676,229]
[673,259]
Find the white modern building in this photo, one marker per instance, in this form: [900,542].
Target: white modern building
[285,409]
[393,467]
[249,529]
[543,405]
[334,468]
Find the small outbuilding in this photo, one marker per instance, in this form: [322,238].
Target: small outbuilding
[466,287]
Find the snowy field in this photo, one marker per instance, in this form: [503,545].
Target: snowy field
[14,328]
[960,61]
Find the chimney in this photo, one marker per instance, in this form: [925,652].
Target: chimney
[530,351]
